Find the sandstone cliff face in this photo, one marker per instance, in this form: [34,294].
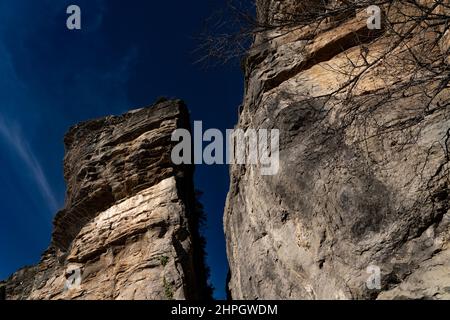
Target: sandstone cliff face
[361,183]
[129,227]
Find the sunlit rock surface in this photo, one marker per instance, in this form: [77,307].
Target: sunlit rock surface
[361,184]
[129,229]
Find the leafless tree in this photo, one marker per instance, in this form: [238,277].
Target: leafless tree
[411,56]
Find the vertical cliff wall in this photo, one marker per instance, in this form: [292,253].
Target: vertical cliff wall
[129,229]
[364,164]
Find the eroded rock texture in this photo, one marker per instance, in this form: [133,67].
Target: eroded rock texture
[364,173]
[129,229]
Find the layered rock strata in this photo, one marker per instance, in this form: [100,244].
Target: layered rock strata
[129,228]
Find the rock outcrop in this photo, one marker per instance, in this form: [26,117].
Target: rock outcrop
[364,164]
[129,228]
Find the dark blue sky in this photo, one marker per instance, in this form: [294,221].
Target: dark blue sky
[127,54]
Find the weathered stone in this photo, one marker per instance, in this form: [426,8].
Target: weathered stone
[129,229]
[360,184]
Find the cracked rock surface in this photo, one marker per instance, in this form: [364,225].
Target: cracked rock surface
[128,229]
[359,185]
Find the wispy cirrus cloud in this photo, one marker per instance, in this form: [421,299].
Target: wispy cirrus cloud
[11,133]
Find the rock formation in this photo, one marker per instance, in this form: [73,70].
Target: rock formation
[359,209]
[364,159]
[129,228]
